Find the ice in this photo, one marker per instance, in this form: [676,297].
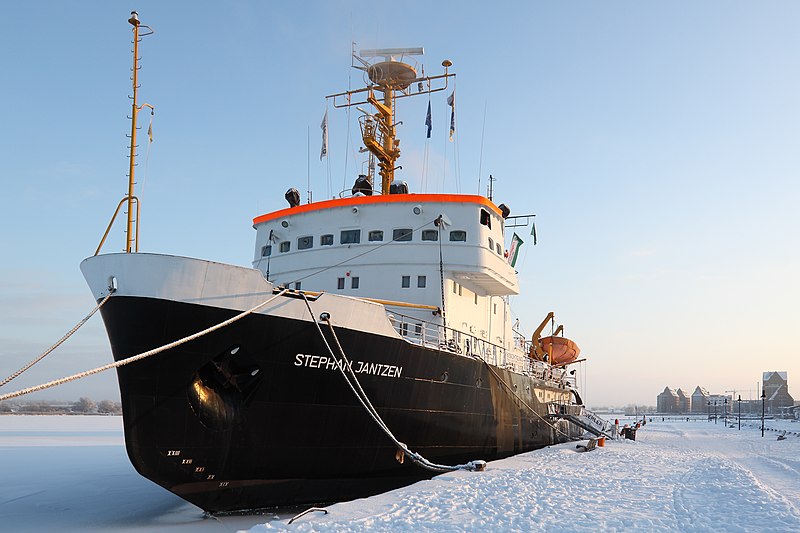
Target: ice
[70,473]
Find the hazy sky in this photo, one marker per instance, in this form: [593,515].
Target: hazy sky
[657,143]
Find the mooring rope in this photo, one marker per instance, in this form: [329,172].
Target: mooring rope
[512,391]
[143,355]
[363,399]
[56,345]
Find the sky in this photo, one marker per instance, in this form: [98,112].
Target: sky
[657,144]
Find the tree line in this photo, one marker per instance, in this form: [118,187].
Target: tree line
[84,406]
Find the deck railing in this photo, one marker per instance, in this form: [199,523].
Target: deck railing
[436,336]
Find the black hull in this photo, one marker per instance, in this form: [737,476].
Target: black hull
[274,424]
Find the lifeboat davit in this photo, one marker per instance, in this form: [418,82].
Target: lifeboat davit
[562,350]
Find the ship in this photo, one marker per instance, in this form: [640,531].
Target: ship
[369,345]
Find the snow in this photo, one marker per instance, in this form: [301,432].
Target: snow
[67,473]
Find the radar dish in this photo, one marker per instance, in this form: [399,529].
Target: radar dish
[393,74]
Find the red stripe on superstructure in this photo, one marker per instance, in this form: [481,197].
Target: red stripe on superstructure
[379,199]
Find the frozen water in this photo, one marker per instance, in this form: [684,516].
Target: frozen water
[70,473]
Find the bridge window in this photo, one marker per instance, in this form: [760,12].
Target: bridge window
[491,244]
[430,235]
[326,240]
[266,251]
[486,218]
[403,234]
[304,243]
[376,235]
[340,283]
[499,249]
[286,246]
[458,235]
[405,282]
[354,282]
[421,282]
[350,236]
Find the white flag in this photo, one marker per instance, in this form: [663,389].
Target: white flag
[324,127]
[451,101]
[516,243]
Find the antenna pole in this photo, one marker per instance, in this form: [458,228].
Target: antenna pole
[392,78]
[129,237]
[387,114]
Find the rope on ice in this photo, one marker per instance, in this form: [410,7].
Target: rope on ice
[56,345]
[143,355]
[343,362]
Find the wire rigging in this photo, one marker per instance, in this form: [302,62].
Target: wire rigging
[355,386]
[143,355]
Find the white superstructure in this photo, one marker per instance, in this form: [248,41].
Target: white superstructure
[444,253]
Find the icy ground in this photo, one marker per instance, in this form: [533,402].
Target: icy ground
[71,474]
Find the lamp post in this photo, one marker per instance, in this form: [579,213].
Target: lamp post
[715,411]
[708,411]
[740,412]
[763,403]
[725,412]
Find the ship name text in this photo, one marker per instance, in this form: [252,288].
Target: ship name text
[357,367]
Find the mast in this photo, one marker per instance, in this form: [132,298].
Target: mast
[131,237]
[131,234]
[392,79]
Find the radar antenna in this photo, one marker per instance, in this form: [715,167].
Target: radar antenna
[395,78]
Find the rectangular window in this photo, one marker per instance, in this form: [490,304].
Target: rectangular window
[455,288]
[499,249]
[304,243]
[297,285]
[421,282]
[495,308]
[350,236]
[285,246]
[266,251]
[476,299]
[405,282]
[486,218]
[491,244]
[430,235]
[340,283]
[403,234]
[375,235]
[458,235]
[354,282]
[326,240]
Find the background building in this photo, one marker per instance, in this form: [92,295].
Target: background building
[667,401]
[776,387]
[699,399]
[719,403]
[684,402]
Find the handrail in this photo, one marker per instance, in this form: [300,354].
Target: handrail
[114,217]
[429,334]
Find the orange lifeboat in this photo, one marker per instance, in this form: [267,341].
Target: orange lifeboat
[561,350]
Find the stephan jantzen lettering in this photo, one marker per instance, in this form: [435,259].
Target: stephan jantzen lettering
[358,367]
